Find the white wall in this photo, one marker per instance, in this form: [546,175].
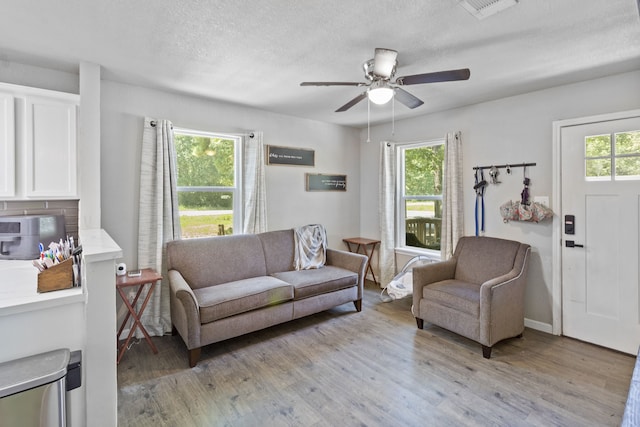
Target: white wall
[511,130]
[40,77]
[337,151]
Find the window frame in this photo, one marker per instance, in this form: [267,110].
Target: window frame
[401,245]
[236,190]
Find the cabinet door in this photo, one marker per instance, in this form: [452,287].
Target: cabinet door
[7,146]
[50,148]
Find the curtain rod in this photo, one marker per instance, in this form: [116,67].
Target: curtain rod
[153,124]
[509,165]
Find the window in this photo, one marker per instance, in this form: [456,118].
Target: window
[420,195]
[613,156]
[208,183]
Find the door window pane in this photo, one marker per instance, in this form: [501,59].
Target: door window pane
[599,168]
[627,143]
[598,146]
[628,167]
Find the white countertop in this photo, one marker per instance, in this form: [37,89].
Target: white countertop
[19,279]
[18,290]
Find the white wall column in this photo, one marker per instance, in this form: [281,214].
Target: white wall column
[89,147]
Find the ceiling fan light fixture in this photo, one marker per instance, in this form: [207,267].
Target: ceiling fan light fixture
[380,95]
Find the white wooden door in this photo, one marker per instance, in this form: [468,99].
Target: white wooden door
[601,189]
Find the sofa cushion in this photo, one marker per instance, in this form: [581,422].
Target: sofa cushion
[279,250]
[462,296]
[220,301]
[215,260]
[307,283]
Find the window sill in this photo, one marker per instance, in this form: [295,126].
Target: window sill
[431,254]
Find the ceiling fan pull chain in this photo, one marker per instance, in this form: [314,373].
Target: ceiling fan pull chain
[393,114]
[368,120]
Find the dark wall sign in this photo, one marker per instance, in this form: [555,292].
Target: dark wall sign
[322,182]
[290,156]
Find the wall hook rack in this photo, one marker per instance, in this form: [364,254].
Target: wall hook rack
[509,165]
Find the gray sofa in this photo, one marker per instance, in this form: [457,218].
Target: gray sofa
[223,287]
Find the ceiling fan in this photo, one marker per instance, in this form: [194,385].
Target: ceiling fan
[380,70]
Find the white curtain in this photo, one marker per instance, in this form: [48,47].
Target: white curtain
[158,220]
[387,212]
[452,212]
[253,182]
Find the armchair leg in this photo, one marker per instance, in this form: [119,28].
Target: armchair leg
[358,304]
[174,331]
[486,352]
[194,356]
[420,322]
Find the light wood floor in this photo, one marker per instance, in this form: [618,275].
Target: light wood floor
[374,368]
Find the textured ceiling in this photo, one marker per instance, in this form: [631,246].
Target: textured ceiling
[256,53]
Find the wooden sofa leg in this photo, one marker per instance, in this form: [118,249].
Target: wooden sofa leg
[420,322]
[358,304]
[174,331]
[194,356]
[486,352]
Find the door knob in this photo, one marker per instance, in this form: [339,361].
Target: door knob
[572,244]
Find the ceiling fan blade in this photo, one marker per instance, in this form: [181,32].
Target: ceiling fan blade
[331,84]
[407,99]
[439,76]
[384,62]
[351,103]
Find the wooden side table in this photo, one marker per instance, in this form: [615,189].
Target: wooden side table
[149,276]
[363,243]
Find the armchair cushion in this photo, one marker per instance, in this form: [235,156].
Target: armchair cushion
[484,258]
[463,296]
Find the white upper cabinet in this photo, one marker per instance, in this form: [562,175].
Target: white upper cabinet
[7,146]
[50,142]
[38,143]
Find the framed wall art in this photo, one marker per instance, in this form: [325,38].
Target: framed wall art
[325,182]
[290,156]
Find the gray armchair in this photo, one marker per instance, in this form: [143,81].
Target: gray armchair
[478,293]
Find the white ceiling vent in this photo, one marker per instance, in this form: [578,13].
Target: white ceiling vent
[484,8]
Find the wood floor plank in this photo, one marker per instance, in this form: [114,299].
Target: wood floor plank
[372,368]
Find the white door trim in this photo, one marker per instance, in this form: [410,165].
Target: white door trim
[556,236]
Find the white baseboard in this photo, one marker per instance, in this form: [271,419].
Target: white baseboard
[538,326]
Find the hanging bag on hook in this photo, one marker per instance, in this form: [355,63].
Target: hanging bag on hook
[479,187]
[525,192]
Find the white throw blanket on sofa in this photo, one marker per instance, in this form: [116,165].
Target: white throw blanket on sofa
[311,247]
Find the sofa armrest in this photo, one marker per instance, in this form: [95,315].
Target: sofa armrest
[502,302]
[349,261]
[427,274]
[185,311]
